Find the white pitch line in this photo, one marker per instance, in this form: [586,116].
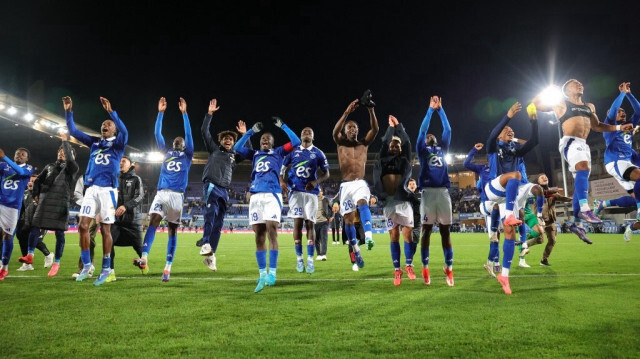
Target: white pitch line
[236,279]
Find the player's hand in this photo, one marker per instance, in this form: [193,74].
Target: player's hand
[106,104]
[277,121]
[627,87]
[439,103]
[257,127]
[120,211]
[311,185]
[162,104]
[2,153]
[393,122]
[433,102]
[352,107]
[182,105]
[514,109]
[478,146]
[241,127]
[621,87]
[284,187]
[627,127]
[67,103]
[213,106]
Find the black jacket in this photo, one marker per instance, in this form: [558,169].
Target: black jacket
[388,163]
[220,165]
[28,209]
[53,187]
[130,195]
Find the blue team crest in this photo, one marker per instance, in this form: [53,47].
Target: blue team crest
[297,155]
[312,156]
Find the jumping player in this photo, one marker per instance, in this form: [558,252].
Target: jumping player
[391,177]
[265,205]
[172,183]
[14,177]
[434,182]
[578,118]
[305,161]
[352,157]
[101,183]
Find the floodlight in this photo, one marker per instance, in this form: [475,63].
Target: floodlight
[551,96]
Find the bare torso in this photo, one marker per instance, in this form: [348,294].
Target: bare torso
[390,183]
[352,160]
[577,126]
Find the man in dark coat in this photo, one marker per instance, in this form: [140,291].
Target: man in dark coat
[127,229]
[52,191]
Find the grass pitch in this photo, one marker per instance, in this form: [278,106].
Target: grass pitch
[585,305]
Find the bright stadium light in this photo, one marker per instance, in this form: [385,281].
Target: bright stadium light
[12,110]
[155,156]
[28,117]
[447,158]
[551,95]
[2,106]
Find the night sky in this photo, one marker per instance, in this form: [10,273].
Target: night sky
[306,61]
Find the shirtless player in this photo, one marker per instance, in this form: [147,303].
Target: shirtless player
[354,190]
[578,119]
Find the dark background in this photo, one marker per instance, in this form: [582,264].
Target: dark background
[306,61]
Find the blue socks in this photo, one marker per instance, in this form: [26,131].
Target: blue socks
[171,248]
[448,257]
[424,254]
[495,220]
[273,260]
[310,249]
[539,203]
[7,249]
[581,189]
[365,219]
[508,248]
[298,248]
[85,255]
[106,263]
[351,234]
[149,236]
[261,258]
[409,249]
[494,252]
[511,194]
[395,254]
[523,232]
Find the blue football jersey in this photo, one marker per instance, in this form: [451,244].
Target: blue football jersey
[13,184]
[618,146]
[304,167]
[505,160]
[104,160]
[174,174]
[433,167]
[265,176]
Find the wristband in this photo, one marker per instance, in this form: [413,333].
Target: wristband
[618,127]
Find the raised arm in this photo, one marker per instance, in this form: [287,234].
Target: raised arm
[338,137]
[373,132]
[386,139]
[406,142]
[209,144]
[468,162]
[424,127]
[72,166]
[446,132]
[533,139]
[293,138]
[598,126]
[239,146]
[492,145]
[188,137]
[71,125]
[635,118]
[22,171]
[123,134]
[162,106]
